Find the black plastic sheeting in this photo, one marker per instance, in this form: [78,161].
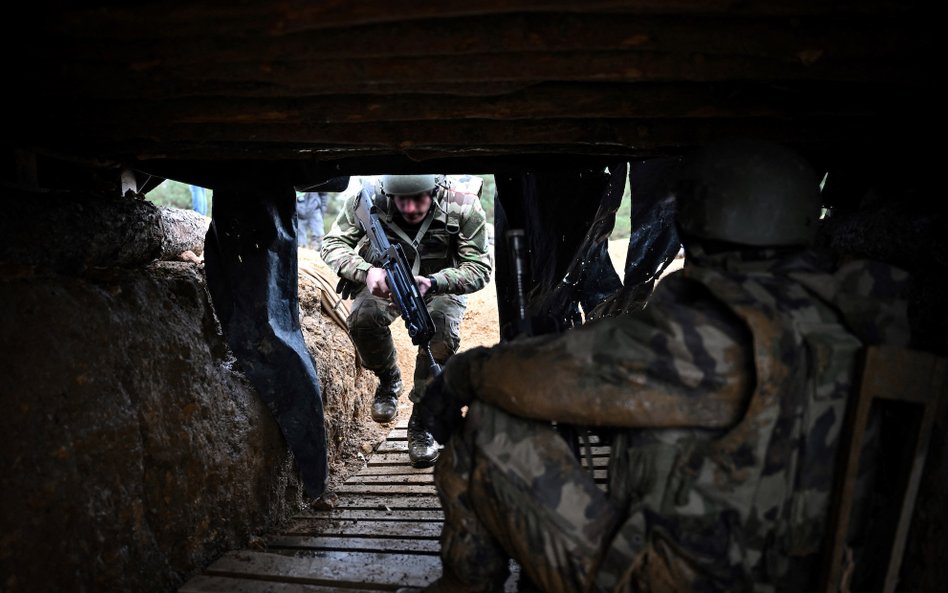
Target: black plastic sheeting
[566,216]
[654,241]
[251,268]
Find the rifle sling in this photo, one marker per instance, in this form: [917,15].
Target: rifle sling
[416,262]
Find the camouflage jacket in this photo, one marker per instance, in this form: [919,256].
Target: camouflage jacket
[721,497]
[453,249]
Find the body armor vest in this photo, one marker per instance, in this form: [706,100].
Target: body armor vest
[753,498]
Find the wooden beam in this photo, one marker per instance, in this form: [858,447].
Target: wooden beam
[196,19]
[332,568]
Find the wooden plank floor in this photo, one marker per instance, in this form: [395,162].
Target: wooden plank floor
[382,534]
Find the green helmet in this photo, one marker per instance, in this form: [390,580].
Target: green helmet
[752,193]
[407,185]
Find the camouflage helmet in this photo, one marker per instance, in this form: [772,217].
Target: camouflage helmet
[752,193]
[407,185]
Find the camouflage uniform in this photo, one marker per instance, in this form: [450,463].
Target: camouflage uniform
[734,503]
[450,245]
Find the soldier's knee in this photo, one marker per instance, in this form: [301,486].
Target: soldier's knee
[367,317]
[447,337]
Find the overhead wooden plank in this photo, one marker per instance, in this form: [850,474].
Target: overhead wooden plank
[840,34]
[332,568]
[261,18]
[467,135]
[213,584]
[430,73]
[350,541]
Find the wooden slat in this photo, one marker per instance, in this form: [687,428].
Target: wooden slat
[332,568]
[416,74]
[382,514]
[388,470]
[548,33]
[388,501]
[403,529]
[351,542]
[213,584]
[383,489]
[264,19]
[393,480]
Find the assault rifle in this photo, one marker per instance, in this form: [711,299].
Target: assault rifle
[399,277]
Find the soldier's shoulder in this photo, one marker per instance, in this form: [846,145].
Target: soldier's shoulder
[462,199]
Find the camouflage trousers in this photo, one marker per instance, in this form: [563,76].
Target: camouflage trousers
[369,322]
[511,488]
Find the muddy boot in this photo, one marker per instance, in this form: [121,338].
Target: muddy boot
[422,449]
[385,404]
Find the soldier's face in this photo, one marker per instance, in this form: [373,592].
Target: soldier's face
[413,208]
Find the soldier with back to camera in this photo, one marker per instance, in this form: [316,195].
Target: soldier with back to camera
[724,396]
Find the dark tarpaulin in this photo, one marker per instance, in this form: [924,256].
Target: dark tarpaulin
[654,240]
[567,216]
[251,268]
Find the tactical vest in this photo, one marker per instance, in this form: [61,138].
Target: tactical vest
[750,502]
[433,246]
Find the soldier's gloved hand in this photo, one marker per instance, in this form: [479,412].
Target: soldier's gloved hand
[452,390]
[442,409]
[347,289]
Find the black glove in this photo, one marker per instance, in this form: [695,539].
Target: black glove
[441,409]
[347,288]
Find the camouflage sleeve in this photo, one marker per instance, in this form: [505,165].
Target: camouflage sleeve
[473,255]
[667,366]
[872,297]
[339,245]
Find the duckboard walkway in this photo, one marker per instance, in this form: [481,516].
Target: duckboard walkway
[382,534]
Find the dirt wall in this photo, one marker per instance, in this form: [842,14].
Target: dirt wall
[134,450]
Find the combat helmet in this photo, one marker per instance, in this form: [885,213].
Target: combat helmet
[408,185]
[750,192]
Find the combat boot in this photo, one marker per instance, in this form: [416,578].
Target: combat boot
[422,449]
[385,404]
